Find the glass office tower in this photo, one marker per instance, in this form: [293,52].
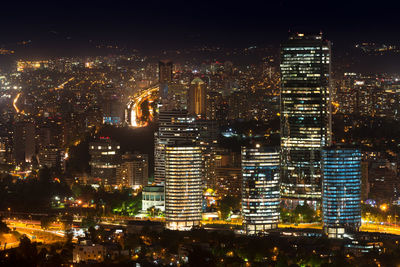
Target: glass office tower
[341,195]
[183,186]
[305,116]
[260,189]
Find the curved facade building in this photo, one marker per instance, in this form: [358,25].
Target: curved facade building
[341,194]
[183,186]
[260,189]
[173,126]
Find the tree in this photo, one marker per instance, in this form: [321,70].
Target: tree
[228,204]
[45,222]
[3,227]
[304,213]
[145,111]
[153,212]
[67,221]
[200,257]
[69,235]
[88,222]
[131,241]
[27,251]
[123,203]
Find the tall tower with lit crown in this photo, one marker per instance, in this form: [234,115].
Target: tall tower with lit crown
[197,98]
[305,116]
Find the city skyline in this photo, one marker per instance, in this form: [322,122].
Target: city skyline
[200,134]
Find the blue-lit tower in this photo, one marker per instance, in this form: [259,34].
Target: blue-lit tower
[260,188]
[341,190]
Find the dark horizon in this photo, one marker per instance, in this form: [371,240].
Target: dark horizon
[158,25]
[73,29]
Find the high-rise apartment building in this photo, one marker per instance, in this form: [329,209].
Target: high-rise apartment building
[24,142]
[341,194]
[197,98]
[305,115]
[207,137]
[49,156]
[5,149]
[104,159]
[260,189]
[228,173]
[183,186]
[214,100]
[133,171]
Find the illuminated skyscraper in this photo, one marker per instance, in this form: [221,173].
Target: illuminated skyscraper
[173,126]
[183,186]
[341,195]
[305,115]
[260,189]
[197,98]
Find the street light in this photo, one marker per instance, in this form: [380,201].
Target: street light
[383,207]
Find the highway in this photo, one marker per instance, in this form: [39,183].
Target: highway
[378,228]
[33,228]
[34,232]
[135,103]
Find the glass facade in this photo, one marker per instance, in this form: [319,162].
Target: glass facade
[183,186]
[341,195]
[260,189]
[305,114]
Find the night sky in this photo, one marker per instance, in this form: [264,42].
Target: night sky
[177,22]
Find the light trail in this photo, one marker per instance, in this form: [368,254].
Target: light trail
[378,228]
[135,103]
[61,86]
[15,103]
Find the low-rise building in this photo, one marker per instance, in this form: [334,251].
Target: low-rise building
[86,251]
[153,196]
